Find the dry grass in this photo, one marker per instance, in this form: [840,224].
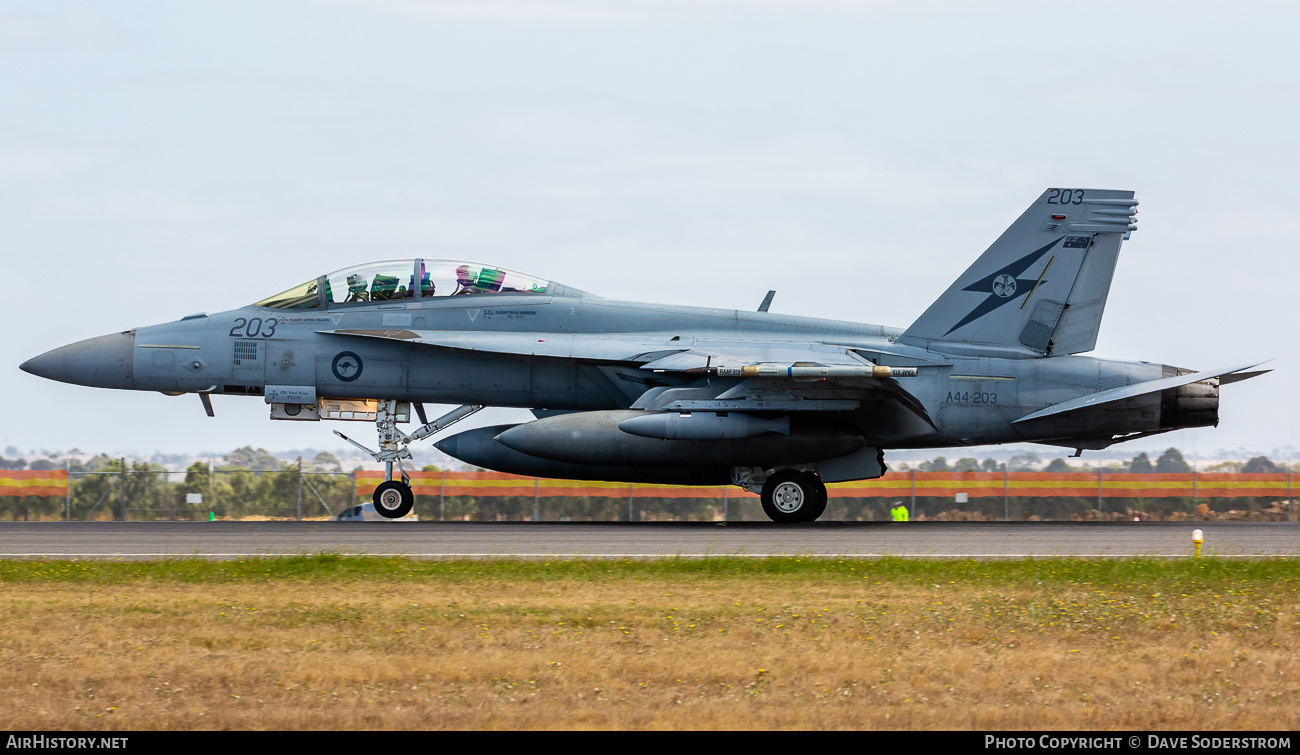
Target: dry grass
[795,644]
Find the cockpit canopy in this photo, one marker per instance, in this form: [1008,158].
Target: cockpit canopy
[404,280]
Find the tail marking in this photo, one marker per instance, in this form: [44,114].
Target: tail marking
[1003,287]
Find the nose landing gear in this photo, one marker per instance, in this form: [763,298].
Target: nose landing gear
[393,499]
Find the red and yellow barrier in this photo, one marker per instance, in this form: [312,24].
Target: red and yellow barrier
[892,485]
[498,484]
[26,482]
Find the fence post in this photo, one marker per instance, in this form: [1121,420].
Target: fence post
[1006,495]
[68,490]
[122,492]
[212,475]
[1099,508]
[726,489]
[1290,504]
[629,500]
[537,481]
[913,506]
[1194,517]
[299,513]
[442,497]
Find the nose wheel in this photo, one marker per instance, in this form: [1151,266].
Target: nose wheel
[791,496]
[394,499]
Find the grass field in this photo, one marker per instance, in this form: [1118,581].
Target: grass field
[322,642]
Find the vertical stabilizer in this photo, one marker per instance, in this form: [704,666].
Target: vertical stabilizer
[1042,285]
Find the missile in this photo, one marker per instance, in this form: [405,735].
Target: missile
[596,438]
[809,371]
[477,447]
[702,425]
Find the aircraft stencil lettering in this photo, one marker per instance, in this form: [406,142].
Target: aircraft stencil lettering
[685,395]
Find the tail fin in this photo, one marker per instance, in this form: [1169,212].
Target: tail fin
[1042,286]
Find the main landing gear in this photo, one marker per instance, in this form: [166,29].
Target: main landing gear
[788,495]
[791,496]
[394,498]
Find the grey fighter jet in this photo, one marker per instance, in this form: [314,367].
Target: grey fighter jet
[633,392]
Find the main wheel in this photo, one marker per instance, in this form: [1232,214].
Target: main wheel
[393,499]
[819,502]
[791,496]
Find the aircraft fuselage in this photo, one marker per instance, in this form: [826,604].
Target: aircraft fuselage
[972,399]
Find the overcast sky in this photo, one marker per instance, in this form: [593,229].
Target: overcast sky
[163,158]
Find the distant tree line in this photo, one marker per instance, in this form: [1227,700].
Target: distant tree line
[250,482]
[247,482]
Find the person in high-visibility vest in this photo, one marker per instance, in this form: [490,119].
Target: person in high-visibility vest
[899,512]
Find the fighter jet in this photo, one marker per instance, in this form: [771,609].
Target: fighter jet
[634,392]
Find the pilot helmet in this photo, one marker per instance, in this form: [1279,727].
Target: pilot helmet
[356,283]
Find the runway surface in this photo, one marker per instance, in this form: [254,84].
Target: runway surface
[223,540]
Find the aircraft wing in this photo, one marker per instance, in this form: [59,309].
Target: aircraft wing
[661,353]
[1230,375]
[616,347]
[654,351]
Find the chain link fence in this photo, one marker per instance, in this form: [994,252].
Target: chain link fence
[138,493]
[122,491]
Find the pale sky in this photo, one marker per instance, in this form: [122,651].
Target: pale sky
[162,158]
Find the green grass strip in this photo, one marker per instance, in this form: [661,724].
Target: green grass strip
[1184,575]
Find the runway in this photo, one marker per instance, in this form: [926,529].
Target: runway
[227,540]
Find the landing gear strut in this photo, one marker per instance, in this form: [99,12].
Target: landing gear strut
[394,498]
[791,496]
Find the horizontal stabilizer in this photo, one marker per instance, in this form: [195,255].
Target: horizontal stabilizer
[1139,389]
[1237,377]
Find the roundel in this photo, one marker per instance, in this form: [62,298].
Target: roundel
[1004,286]
[346,366]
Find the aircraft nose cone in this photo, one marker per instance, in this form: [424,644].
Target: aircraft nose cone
[103,362]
